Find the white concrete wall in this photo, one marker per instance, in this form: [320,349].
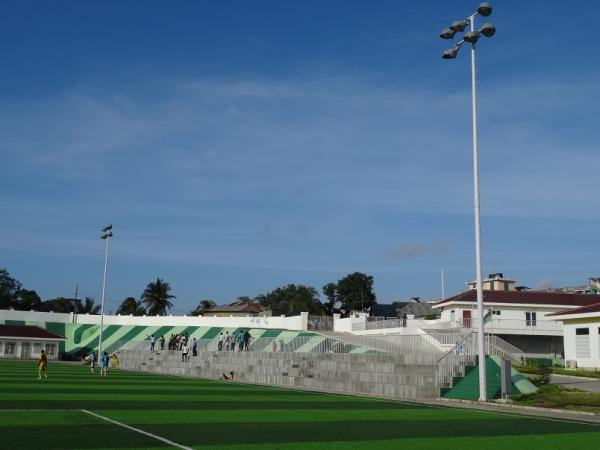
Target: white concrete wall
[345,325]
[280,322]
[593,362]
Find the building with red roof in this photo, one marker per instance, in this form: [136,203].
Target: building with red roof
[581,335]
[522,318]
[26,342]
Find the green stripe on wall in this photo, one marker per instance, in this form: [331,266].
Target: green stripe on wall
[79,329]
[212,332]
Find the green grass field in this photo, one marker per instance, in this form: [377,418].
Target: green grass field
[214,414]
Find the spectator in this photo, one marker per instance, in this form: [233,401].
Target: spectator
[247,338]
[162,342]
[241,340]
[184,352]
[194,347]
[227,340]
[152,342]
[232,342]
[220,344]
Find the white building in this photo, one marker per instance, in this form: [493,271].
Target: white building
[27,342]
[581,334]
[519,317]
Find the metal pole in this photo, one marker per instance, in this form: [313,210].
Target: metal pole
[443,295]
[480,332]
[103,293]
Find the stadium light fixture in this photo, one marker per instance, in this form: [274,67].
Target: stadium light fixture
[471,37]
[106,235]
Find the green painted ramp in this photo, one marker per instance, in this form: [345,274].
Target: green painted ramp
[467,388]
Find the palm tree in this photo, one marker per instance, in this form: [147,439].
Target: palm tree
[202,307]
[89,306]
[130,306]
[156,298]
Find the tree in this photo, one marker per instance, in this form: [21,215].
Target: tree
[27,300]
[62,305]
[9,289]
[89,306]
[329,290]
[292,299]
[355,292]
[156,298]
[131,306]
[202,307]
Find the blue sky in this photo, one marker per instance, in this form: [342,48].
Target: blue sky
[240,146]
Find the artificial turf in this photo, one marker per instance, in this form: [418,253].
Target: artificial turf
[217,414]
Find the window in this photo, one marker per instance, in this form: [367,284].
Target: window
[506,286]
[50,349]
[492,287]
[9,349]
[530,319]
[582,342]
[496,312]
[25,350]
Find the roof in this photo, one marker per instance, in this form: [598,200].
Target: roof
[28,331]
[582,310]
[384,310]
[240,306]
[417,309]
[524,297]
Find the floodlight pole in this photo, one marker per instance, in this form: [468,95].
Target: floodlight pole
[106,236]
[480,330]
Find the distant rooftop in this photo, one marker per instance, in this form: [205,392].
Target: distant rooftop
[239,306]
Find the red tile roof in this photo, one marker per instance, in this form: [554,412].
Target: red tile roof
[28,331]
[525,297]
[582,310]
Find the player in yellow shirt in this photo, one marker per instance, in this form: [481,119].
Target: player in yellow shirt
[42,364]
[115,361]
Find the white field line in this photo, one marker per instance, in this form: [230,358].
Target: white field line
[137,430]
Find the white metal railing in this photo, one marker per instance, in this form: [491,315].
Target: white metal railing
[499,347]
[379,324]
[496,325]
[320,323]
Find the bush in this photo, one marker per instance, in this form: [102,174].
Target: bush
[544,374]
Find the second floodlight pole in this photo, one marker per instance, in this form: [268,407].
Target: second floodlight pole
[480,330]
[106,236]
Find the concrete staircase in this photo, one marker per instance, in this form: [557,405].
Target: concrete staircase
[399,376]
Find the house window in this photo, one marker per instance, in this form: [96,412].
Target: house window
[496,312]
[9,349]
[506,286]
[582,342]
[530,319]
[492,286]
[50,349]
